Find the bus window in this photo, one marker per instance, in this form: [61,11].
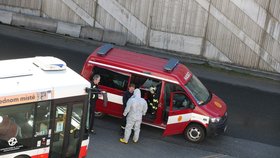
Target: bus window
[112,79]
[42,118]
[76,118]
[16,122]
[59,130]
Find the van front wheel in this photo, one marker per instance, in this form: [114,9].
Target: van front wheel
[194,133]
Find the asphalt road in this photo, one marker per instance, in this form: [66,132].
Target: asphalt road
[253,113]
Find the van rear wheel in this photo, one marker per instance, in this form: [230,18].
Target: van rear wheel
[99,114]
[194,133]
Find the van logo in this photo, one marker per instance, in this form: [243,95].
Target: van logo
[180,118]
[218,105]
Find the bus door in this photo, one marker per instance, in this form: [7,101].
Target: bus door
[178,109]
[66,138]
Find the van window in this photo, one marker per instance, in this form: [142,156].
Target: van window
[150,91]
[198,90]
[180,102]
[168,88]
[112,79]
[143,82]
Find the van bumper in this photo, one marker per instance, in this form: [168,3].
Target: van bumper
[217,128]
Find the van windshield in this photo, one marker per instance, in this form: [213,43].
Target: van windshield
[198,90]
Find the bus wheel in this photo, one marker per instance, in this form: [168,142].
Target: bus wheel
[98,114]
[194,133]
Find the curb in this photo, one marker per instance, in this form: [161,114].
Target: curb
[64,28]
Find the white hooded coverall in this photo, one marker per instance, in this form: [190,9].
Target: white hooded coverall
[136,107]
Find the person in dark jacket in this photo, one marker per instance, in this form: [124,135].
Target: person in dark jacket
[94,96]
[127,94]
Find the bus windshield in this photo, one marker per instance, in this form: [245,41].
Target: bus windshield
[198,90]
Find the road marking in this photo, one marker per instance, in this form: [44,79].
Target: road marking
[215,156]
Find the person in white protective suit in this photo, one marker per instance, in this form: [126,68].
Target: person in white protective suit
[136,107]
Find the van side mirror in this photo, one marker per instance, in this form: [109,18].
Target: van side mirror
[192,106]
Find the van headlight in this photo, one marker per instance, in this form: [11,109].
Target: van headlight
[215,119]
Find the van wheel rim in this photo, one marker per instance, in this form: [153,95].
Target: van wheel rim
[194,133]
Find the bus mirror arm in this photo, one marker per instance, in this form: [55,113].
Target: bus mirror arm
[103,93]
[105,98]
[87,90]
[90,90]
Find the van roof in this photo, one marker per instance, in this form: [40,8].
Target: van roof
[22,76]
[142,63]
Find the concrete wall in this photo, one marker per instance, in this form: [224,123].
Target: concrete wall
[238,32]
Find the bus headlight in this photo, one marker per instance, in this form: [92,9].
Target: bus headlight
[215,119]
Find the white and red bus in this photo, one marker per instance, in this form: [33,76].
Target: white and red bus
[43,109]
[177,101]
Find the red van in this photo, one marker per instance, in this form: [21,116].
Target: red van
[177,101]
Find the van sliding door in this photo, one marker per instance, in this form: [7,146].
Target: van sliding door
[114,83]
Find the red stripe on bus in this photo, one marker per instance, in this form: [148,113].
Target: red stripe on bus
[46,155]
[83,152]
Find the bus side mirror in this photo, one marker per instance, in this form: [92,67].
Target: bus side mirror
[105,98]
[87,90]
